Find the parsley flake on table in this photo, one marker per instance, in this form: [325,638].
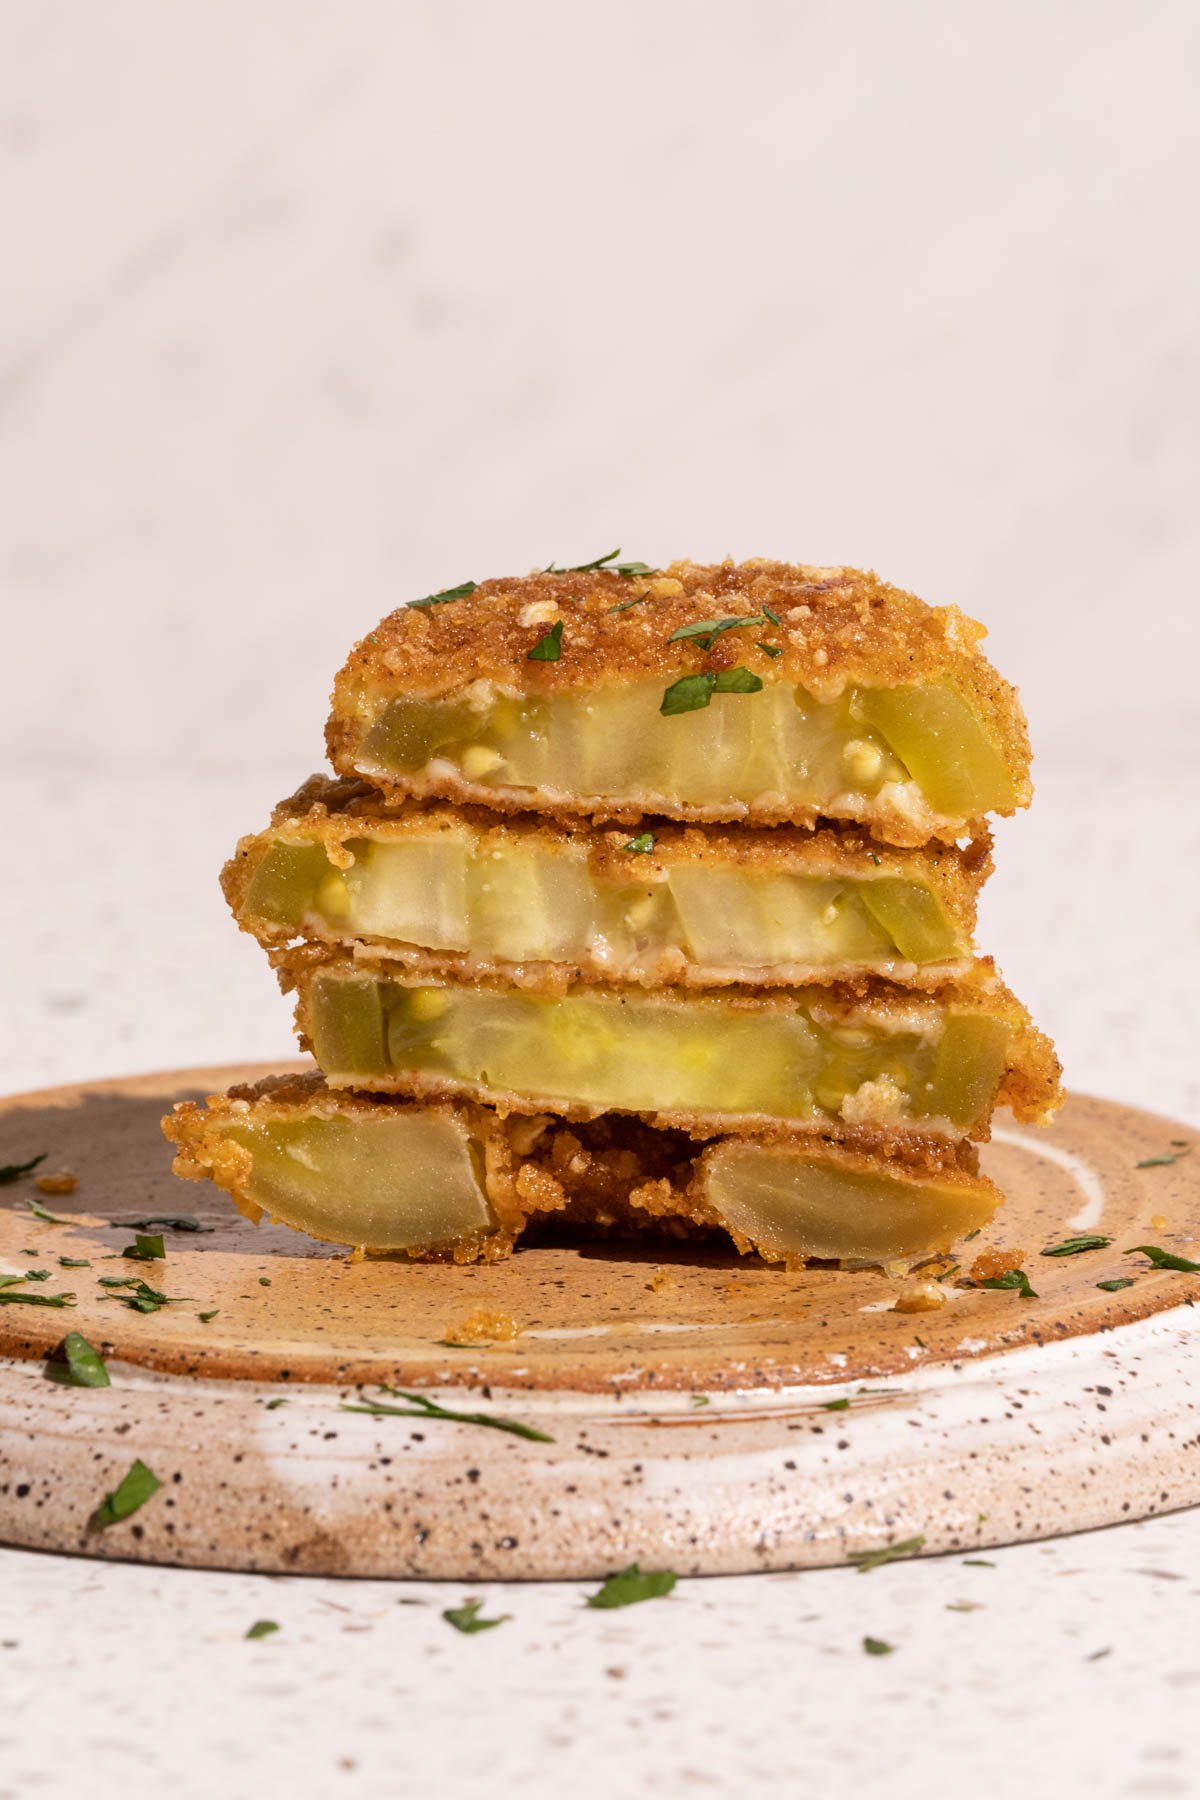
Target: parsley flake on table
[262,1628]
[10,1172]
[1015,1279]
[138,1485]
[1075,1246]
[877,1647]
[420,1408]
[631,1586]
[692,693]
[549,647]
[1115,1286]
[465,1618]
[1165,1259]
[642,844]
[76,1363]
[447,594]
[886,1553]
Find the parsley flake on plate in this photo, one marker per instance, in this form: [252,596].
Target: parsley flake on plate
[1075,1246]
[138,1485]
[47,1218]
[146,1247]
[10,1172]
[1165,1259]
[1015,1279]
[262,1628]
[1115,1286]
[169,1222]
[1164,1161]
[877,1647]
[76,1363]
[420,1408]
[886,1553]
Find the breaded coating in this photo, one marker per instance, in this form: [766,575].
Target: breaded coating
[633,932]
[837,629]
[874,1119]
[610,1175]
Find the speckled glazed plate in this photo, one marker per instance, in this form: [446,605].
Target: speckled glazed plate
[703,1412]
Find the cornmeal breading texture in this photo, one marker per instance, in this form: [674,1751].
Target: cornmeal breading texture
[808,693]
[460,891]
[457,1180]
[869,1062]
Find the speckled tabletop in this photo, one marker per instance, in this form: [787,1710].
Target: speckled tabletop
[300,322]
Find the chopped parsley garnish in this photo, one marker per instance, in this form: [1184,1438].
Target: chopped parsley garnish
[420,1408]
[877,1647]
[700,1400]
[76,1363]
[772,616]
[146,1247]
[8,1297]
[169,1221]
[132,1492]
[841,1405]
[608,563]
[10,1172]
[874,1559]
[708,630]
[631,1586]
[280,1400]
[642,844]
[262,1628]
[771,649]
[141,1298]
[1164,1161]
[47,1218]
[624,605]
[74,1262]
[37,1274]
[465,1618]
[206,1318]
[1165,1259]
[1011,1278]
[446,594]
[1115,1286]
[691,693]
[548,648]
[1075,1246]
[978,1562]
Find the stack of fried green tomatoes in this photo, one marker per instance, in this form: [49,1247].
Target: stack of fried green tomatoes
[640,901]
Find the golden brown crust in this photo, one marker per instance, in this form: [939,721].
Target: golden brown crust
[837,627]
[613,1174]
[1031,1085]
[335,813]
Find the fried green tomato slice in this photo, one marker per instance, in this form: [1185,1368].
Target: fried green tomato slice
[452,890]
[454,1180]
[757,691]
[890,1062]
